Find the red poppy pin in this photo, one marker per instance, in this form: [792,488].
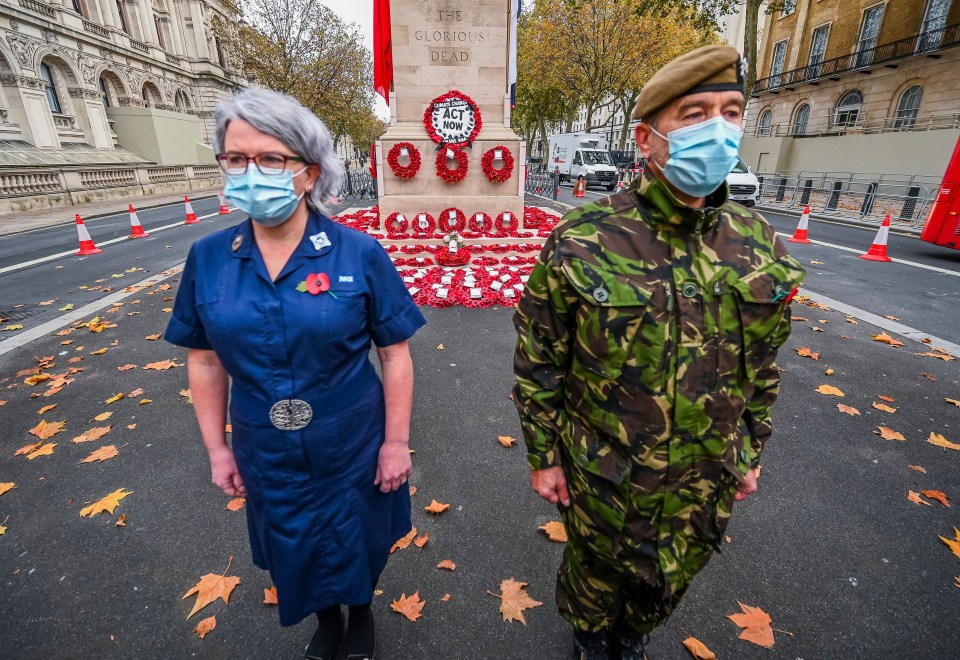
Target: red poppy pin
[315,284]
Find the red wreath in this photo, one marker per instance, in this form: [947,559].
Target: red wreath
[493,174]
[459,223]
[404,171]
[396,224]
[445,173]
[447,258]
[452,94]
[423,231]
[478,226]
[499,224]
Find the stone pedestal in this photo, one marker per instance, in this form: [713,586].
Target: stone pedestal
[439,47]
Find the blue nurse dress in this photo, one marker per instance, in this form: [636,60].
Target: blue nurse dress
[315,518]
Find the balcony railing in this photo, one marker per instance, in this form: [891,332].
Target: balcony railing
[96,29]
[139,45]
[38,7]
[863,125]
[924,43]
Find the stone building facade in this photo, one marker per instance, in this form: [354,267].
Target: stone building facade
[858,86]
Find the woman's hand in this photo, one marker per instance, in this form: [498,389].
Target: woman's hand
[224,473]
[393,466]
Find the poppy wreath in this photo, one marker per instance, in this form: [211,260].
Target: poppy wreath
[424,227]
[459,222]
[447,258]
[396,224]
[456,175]
[452,94]
[404,171]
[480,223]
[492,173]
[501,223]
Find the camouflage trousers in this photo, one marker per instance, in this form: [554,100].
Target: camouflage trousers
[632,551]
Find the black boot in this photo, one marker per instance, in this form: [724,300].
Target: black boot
[361,634]
[326,641]
[591,645]
[631,645]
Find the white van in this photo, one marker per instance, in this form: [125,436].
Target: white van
[743,184]
[585,155]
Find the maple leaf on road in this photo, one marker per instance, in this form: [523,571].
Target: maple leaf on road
[953,401]
[698,649]
[45,450]
[104,453]
[404,542]
[914,496]
[93,434]
[804,351]
[514,600]
[882,406]
[436,507]
[506,440]
[5,487]
[205,626]
[211,587]
[889,434]
[883,337]
[917,468]
[236,503]
[940,441]
[422,541]
[410,607]
[555,530]
[105,504]
[43,430]
[270,596]
[937,495]
[163,365]
[953,545]
[446,564]
[830,390]
[850,410]
[756,625]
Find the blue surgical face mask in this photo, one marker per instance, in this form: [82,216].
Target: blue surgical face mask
[269,199]
[701,155]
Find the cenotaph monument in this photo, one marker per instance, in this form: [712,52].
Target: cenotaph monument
[450,114]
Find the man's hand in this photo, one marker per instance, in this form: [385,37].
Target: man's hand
[551,485]
[748,486]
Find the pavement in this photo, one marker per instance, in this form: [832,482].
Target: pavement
[830,546]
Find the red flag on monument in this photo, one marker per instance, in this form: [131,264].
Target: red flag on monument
[382,49]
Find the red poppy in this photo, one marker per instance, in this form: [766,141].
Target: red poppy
[318,283]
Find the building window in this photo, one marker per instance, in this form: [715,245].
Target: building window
[800,119]
[934,20]
[847,112]
[869,30]
[763,124]
[156,23]
[789,6]
[121,9]
[779,57]
[818,47]
[52,99]
[77,7]
[220,58]
[103,90]
[907,108]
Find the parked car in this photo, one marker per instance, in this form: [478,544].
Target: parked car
[743,184]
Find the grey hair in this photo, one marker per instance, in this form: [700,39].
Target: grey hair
[282,117]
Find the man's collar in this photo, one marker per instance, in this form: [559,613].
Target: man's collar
[672,211]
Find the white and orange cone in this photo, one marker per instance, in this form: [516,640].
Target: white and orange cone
[136,229]
[800,235]
[191,216]
[87,245]
[579,188]
[878,251]
[224,208]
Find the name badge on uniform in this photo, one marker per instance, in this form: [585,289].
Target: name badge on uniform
[320,241]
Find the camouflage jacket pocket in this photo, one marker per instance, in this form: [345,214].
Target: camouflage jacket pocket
[610,311]
[760,303]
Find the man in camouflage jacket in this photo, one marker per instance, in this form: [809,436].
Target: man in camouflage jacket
[646,343]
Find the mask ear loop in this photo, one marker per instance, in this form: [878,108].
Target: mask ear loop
[662,137]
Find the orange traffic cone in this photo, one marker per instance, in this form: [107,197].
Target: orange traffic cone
[800,236]
[878,251]
[224,209]
[87,245]
[191,216]
[578,189]
[136,229]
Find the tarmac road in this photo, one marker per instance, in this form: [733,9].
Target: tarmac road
[830,547]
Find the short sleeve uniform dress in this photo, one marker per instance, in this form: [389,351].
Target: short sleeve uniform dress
[306,403]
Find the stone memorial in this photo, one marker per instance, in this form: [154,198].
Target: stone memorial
[449,145]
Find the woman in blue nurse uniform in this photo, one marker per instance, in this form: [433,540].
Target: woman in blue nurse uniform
[286,304]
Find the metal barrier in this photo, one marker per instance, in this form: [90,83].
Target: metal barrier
[907,202]
[357,184]
[542,184]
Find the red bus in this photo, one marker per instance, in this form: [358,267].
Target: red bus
[943,223]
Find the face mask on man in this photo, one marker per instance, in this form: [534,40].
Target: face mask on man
[268,200]
[701,155]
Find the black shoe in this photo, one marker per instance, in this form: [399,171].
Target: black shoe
[361,638]
[631,645]
[591,645]
[326,641]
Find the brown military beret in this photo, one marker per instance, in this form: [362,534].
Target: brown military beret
[706,69]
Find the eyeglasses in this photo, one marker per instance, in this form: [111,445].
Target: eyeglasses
[270,164]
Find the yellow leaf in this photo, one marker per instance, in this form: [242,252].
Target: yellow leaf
[33,380]
[104,453]
[100,352]
[144,402]
[887,339]
[102,417]
[105,504]
[891,317]
[43,430]
[211,587]
[205,626]
[698,649]
[26,449]
[47,408]
[127,367]
[186,393]
[409,607]
[404,542]
[889,434]
[45,450]
[270,596]
[11,328]
[506,440]
[830,390]
[131,426]
[847,409]
[5,487]
[514,600]
[946,357]
[121,521]
[439,347]
[940,441]
[953,401]
[555,530]
[882,406]
[116,397]
[153,337]
[953,545]
[436,507]
[93,434]
[756,625]
[804,351]
[163,365]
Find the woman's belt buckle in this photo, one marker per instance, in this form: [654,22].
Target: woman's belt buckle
[290,414]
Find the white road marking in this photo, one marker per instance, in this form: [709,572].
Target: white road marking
[884,323]
[45,329]
[70,253]
[915,264]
